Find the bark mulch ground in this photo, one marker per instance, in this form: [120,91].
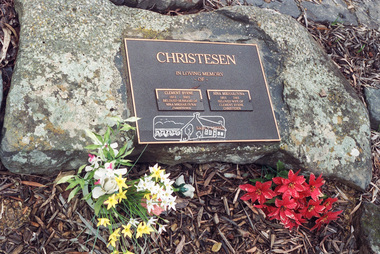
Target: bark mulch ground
[36,218]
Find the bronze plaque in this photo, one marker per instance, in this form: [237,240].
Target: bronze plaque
[239,100]
[179,99]
[198,92]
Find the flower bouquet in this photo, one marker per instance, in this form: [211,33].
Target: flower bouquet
[292,200]
[128,207]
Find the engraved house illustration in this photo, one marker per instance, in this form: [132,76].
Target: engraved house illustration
[189,128]
[202,128]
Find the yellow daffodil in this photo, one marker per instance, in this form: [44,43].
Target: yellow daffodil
[156,171]
[112,242]
[142,228]
[127,252]
[111,201]
[103,222]
[147,196]
[114,237]
[121,195]
[121,182]
[115,252]
[127,231]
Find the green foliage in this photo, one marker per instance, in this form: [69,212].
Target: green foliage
[103,148]
[336,22]
[268,173]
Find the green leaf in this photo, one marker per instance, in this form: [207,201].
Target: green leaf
[82,182]
[116,119]
[73,193]
[65,179]
[99,203]
[111,152]
[256,180]
[81,168]
[72,184]
[107,136]
[283,174]
[280,166]
[125,162]
[271,201]
[87,196]
[94,137]
[122,150]
[132,119]
[127,127]
[93,147]
[128,152]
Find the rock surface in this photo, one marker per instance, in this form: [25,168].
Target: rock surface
[161,5]
[284,7]
[367,227]
[69,77]
[372,96]
[330,11]
[365,13]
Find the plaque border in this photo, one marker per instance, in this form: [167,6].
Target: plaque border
[201,141]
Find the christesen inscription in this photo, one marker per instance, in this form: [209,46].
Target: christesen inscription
[230,100]
[195,58]
[179,99]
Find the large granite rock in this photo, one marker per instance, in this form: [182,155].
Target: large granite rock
[70,77]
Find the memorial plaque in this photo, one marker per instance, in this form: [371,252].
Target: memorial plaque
[198,92]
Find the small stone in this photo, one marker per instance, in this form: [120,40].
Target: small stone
[372,97]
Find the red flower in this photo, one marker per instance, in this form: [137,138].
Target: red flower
[301,203]
[284,209]
[326,218]
[329,202]
[293,222]
[291,186]
[314,187]
[314,208]
[260,192]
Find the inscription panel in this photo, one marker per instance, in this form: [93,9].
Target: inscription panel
[198,92]
[235,100]
[179,99]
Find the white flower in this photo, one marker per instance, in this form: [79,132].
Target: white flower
[88,168]
[107,185]
[151,221]
[133,222]
[161,228]
[149,205]
[189,190]
[171,204]
[107,181]
[180,180]
[114,146]
[145,183]
[186,189]
[93,160]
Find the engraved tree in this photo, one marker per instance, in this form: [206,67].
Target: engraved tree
[189,130]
